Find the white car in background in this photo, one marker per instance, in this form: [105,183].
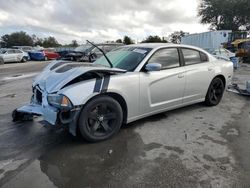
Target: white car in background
[225,54]
[222,53]
[13,55]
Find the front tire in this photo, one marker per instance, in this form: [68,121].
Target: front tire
[215,92]
[100,119]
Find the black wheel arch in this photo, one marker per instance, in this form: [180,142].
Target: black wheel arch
[122,103]
[222,78]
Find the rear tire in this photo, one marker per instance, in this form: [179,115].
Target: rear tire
[100,119]
[215,92]
[1,62]
[24,59]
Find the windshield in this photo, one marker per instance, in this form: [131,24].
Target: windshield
[127,58]
[83,48]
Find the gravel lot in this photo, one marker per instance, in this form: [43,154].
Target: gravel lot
[195,146]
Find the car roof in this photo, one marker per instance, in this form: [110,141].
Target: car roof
[159,45]
[164,45]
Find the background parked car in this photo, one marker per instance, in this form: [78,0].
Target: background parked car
[89,53]
[14,55]
[23,48]
[225,54]
[50,53]
[36,55]
[77,53]
[63,53]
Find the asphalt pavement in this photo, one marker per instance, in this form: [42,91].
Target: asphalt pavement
[195,146]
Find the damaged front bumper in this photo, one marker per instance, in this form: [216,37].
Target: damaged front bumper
[49,113]
[39,106]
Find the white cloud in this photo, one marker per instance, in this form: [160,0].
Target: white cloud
[99,20]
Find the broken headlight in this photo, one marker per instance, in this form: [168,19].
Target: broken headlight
[59,101]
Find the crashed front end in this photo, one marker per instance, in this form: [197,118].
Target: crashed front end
[47,98]
[56,109]
[60,91]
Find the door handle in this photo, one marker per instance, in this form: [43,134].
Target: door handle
[180,75]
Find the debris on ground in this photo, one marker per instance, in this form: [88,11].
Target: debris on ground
[236,89]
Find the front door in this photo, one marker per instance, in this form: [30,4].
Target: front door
[160,90]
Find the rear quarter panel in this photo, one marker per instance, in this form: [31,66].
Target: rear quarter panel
[224,68]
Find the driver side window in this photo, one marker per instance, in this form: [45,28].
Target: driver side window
[168,58]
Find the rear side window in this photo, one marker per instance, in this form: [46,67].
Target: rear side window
[193,56]
[204,57]
[11,51]
[168,58]
[18,51]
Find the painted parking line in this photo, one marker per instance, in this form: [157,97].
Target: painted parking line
[19,76]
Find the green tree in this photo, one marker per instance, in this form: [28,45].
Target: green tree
[74,43]
[37,41]
[50,42]
[176,36]
[155,38]
[17,39]
[127,40]
[119,41]
[226,14]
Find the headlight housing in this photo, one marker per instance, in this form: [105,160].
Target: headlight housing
[59,101]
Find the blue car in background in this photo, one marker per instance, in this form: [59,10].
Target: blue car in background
[36,55]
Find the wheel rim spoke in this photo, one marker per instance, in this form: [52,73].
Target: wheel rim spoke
[216,91]
[102,109]
[109,116]
[95,126]
[105,126]
[215,97]
[93,116]
[101,120]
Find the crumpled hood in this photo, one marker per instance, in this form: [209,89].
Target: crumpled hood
[59,73]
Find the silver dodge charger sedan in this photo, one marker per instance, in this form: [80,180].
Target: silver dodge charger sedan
[127,84]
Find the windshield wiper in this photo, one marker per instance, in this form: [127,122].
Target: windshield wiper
[111,65]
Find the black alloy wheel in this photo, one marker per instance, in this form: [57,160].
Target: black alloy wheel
[215,92]
[100,119]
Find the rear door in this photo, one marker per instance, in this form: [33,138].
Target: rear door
[18,55]
[162,89]
[9,56]
[199,73]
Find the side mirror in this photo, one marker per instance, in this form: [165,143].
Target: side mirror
[153,67]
